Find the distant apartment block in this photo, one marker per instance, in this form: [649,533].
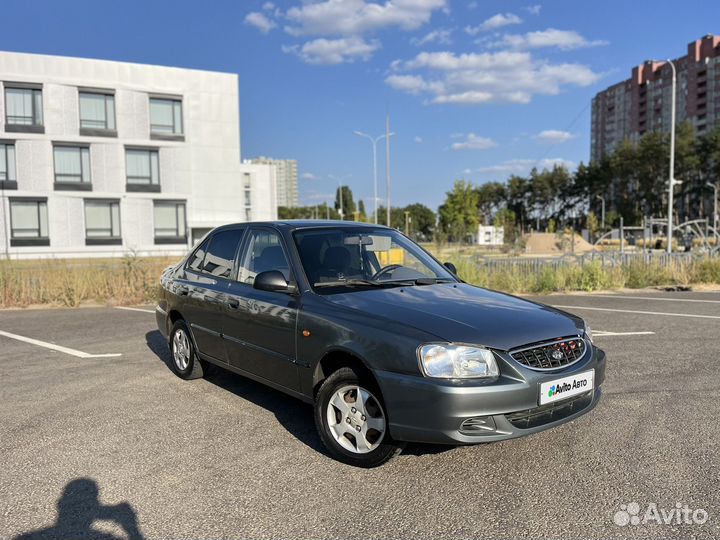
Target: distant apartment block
[287,180]
[101,158]
[641,104]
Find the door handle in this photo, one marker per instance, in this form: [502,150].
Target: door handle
[232,303]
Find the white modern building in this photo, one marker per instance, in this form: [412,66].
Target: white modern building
[287,180]
[489,235]
[101,158]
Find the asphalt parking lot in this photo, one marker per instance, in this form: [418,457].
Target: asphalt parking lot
[224,457]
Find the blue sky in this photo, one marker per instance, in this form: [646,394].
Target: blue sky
[475,89]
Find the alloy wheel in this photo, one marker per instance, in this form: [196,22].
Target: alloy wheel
[181,350]
[356,419]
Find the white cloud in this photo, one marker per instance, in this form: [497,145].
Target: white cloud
[554,136]
[474,142]
[493,23]
[354,17]
[467,172]
[563,39]
[440,36]
[334,51]
[268,6]
[418,139]
[534,10]
[308,176]
[488,77]
[260,21]
[524,166]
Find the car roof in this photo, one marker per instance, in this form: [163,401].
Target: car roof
[294,224]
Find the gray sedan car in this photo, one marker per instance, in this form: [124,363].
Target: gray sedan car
[387,343]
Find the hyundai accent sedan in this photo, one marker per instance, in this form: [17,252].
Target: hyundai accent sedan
[387,343]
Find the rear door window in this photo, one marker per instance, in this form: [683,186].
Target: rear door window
[195,262]
[220,255]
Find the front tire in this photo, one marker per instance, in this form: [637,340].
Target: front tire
[351,420]
[183,358]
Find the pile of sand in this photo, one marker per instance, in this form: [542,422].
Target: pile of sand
[542,243]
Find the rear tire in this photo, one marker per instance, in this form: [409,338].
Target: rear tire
[351,420]
[183,358]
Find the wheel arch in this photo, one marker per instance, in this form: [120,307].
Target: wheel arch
[336,359]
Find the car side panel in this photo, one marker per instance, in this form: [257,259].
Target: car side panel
[379,343]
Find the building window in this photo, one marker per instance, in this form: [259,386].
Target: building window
[170,222]
[166,117]
[72,167]
[8,179]
[102,223]
[143,169]
[29,222]
[23,109]
[97,113]
[248,196]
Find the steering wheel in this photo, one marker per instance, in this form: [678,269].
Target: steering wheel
[384,271]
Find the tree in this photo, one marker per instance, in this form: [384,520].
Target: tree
[491,198]
[320,211]
[505,218]
[362,215]
[422,221]
[459,212]
[593,225]
[348,203]
[519,199]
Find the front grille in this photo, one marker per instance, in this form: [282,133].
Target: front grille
[552,412]
[551,354]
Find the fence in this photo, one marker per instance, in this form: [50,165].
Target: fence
[535,264]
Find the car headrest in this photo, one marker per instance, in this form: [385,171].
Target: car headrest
[337,258]
[271,258]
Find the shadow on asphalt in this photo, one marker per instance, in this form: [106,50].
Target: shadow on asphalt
[78,508]
[284,407]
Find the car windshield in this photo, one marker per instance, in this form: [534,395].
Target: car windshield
[365,257]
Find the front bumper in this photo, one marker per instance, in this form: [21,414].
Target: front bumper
[428,410]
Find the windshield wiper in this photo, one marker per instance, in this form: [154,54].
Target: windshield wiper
[421,281]
[349,283]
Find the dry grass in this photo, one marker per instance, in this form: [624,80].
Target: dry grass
[67,282]
[135,280]
[592,276]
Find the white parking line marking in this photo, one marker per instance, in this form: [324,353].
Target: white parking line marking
[58,348]
[598,333]
[652,298]
[640,312]
[135,309]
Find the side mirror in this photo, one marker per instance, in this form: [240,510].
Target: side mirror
[450,266]
[273,281]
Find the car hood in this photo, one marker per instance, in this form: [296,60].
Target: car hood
[465,314]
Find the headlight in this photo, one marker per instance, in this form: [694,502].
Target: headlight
[451,361]
[588,332]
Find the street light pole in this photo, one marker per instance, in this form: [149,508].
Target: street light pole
[387,167]
[671,184]
[340,195]
[374,142]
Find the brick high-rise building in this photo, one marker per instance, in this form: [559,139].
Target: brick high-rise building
[640,104]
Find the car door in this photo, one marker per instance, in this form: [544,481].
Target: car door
[208,274]
[260,326]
